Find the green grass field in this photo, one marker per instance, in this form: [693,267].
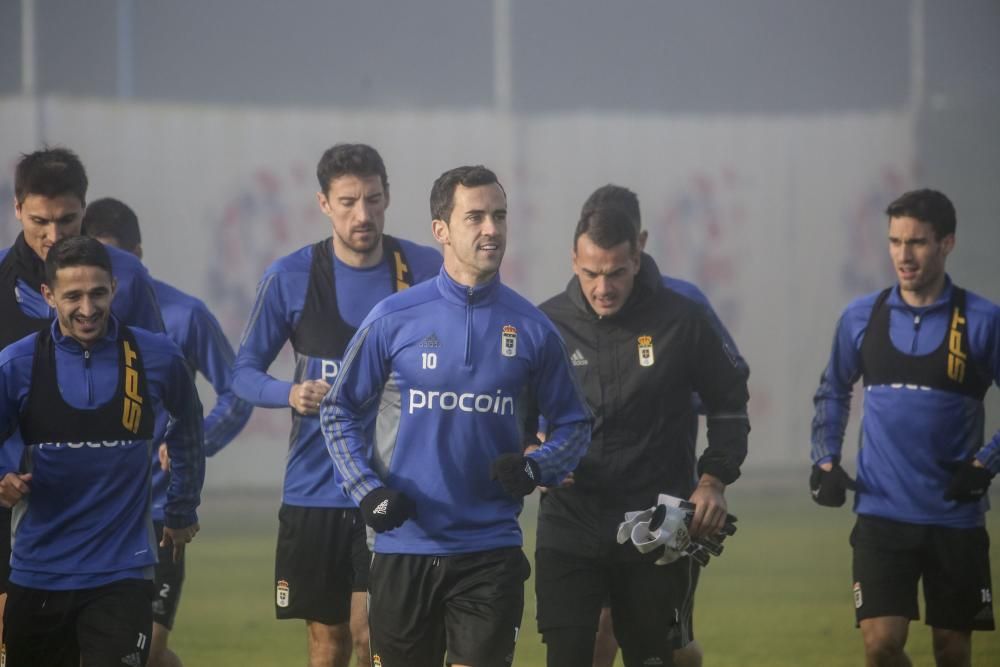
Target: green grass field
[780,595]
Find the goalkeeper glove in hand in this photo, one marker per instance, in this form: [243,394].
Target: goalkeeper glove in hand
[663,530]
[829,488]
[384,509]
[518,475]
[968,484]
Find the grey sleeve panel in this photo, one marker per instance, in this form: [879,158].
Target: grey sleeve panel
[386,428]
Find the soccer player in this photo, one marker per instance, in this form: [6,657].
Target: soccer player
[315,298]
[640,350]
[926,352]
[687,651]
[200,337]
[426,426]
[83,393]
[50,194]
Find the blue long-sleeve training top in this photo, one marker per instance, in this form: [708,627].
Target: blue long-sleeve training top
[448,374]
[135,304]
[277,310]
[86,521]
[912,437]
[204,345]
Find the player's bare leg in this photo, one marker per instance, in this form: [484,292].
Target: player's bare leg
[689,656]
[605,645]
[329,645]
[885,638]
[3,606]
[606,648]
[159,654]
[359,628]
[952,648]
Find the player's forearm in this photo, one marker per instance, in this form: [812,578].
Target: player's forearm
[351,461]
[989,455]
[829,424]
[224,423]
[727,436]
[187,474]
[260,389]
[186,448]
[562,450]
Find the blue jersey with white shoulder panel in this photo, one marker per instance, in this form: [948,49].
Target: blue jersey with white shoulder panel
[449,374]
[277,310]
[912,437]
[86,521]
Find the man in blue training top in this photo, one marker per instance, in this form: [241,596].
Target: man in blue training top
[687,651]
[83,393]
[315,298]
[426,423]
[50,194]
[926,351]
[200,337]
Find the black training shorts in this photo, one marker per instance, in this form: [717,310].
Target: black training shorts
[314,565]
[467,606]
[954,563]
[5,513]
[361,557]
[651,605]
[108,625]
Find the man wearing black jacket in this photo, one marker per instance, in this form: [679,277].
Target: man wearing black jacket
[639,350]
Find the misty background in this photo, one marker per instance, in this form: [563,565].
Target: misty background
[764,139]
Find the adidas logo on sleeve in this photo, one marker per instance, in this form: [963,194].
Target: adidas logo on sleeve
[577,358]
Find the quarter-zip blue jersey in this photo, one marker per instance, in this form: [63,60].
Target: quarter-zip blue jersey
[200,337]
[134,304]
[281,297]
[912,437]
[86,521]
[449,374]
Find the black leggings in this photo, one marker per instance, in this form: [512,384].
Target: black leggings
[569,647]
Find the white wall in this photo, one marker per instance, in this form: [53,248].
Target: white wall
[777,218]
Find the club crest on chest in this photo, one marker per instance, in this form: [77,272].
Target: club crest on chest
[508,341]
[646,357]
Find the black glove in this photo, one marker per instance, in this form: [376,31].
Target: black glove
[968,484]
[830,488]
[518,475]
[384,509]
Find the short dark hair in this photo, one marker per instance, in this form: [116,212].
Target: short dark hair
[115,219]
[607,227]
[359,160]
[615,196]
[928,206]
[443,190]
[50,172]
[76,251]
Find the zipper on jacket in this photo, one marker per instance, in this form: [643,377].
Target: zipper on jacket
[90,380]
[916,332]
[468,326]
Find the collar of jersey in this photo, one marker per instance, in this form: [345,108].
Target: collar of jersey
[70,344]
[464,295]
[896,300]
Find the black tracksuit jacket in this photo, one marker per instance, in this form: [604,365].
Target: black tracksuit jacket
[642,442]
